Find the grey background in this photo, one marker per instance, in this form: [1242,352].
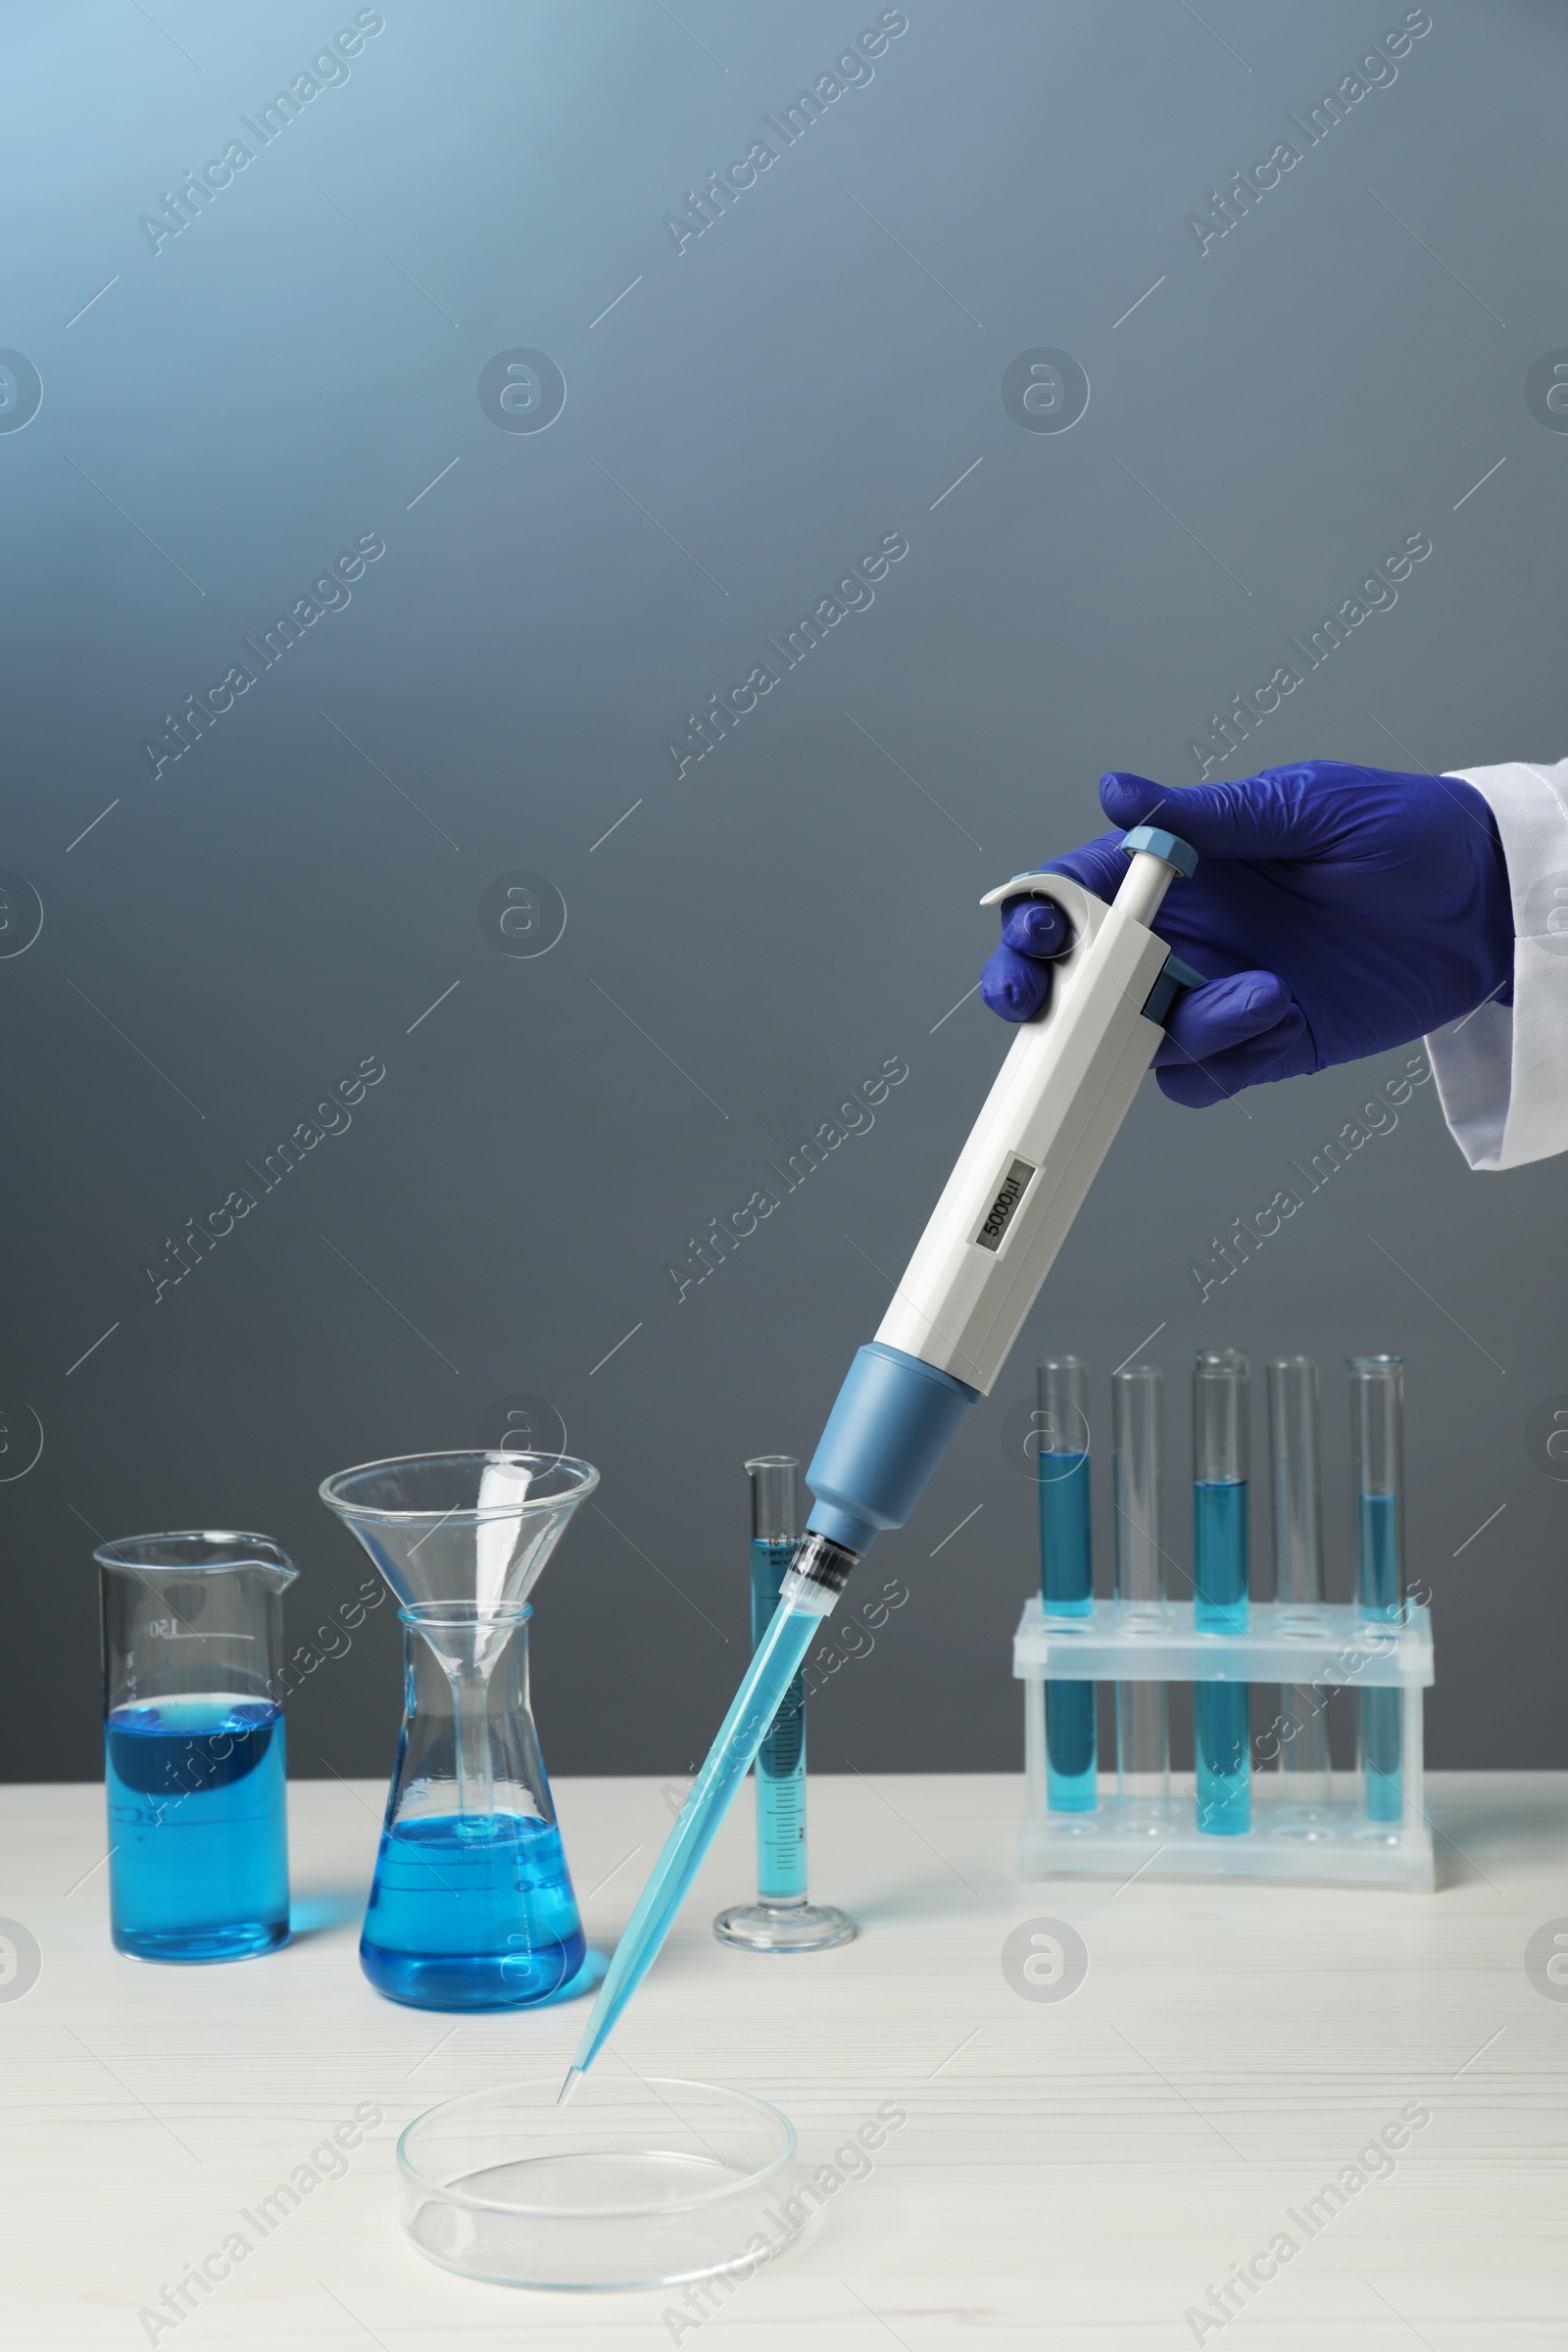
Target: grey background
[295,368]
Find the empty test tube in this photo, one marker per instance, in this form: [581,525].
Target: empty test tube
[1142,1714]
[1221,1727]
[1293,1419]
[1066,1572]
[1377,1447]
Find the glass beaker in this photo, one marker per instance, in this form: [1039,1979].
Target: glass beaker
[193,1743]
[472,1905]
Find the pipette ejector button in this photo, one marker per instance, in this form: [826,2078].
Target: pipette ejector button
[1166,845]
[1174,978]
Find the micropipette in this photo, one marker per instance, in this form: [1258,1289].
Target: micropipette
[1066,1085]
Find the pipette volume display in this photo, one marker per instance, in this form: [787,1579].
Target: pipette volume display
[1068,1081]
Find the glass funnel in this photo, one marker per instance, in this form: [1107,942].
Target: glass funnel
[472,1905]
[474,1526]
[193,1743]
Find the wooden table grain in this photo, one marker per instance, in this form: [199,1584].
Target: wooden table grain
[1076,2173]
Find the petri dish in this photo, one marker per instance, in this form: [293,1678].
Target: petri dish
[630,2185]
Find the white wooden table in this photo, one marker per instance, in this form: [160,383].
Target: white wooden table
[1073,2172]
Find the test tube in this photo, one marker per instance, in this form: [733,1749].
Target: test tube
[1221,1727]
[1137,1479]
[1377,1450]
[781,1919]
[1292,1420]
[1066,1572]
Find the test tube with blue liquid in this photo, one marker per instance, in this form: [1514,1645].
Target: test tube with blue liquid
[1138,1477]
[1067,1574]
[781,1919]
[1221,1728]
[1377,1445]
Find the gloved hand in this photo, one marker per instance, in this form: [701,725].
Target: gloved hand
[1336,912]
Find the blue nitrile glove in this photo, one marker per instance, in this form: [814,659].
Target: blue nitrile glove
[1336,912]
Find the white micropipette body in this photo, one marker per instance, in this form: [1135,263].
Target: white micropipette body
[1063,1091]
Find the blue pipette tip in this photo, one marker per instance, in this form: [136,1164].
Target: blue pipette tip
[573,2078]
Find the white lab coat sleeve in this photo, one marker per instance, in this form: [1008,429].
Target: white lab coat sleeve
[1502,1070]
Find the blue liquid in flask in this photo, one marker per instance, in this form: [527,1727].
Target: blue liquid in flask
[1382,1711]
[198,1825]
[781,1758]
[472,1911]
[1066,1590]
[1221,1712]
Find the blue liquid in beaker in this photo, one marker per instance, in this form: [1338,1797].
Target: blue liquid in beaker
[1067,1591]
[1221,1712]
[472,1911]
[198,1825]
[1382,1711]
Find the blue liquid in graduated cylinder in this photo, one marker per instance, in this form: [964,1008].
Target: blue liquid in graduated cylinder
[472,1911]
[1221,1712]
[1066,1590]
[198,1825]
[781,1758]
[1382,1711]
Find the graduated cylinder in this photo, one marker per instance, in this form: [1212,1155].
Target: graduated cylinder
[781,1919]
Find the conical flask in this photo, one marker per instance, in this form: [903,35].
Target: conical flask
[472,1905]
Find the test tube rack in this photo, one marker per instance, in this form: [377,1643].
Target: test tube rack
[1339,1648]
